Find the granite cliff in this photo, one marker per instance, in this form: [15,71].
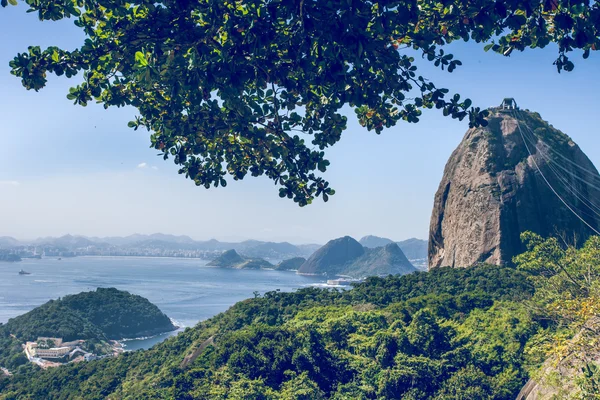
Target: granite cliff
[494,188]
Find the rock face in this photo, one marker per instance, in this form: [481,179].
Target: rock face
[345,256]
[558,377]
[492,191]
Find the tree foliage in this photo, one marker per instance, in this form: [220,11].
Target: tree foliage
[258,87]
[398,337]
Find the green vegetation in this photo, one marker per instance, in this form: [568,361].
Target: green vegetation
[104,313]
[96,317]
[347,257]
[476,333]
[258,88]
[388,337]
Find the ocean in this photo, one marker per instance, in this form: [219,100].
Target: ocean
[185,289]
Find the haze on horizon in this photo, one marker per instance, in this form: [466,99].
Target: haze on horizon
[72,170]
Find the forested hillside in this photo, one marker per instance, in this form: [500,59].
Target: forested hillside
[473,333]
[95,316]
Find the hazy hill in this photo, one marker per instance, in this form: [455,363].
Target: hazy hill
[291,264]
[231,259]
[66,241]
[346,256]
[385,260]
[138,238]
[7,241]
[371,241]
[414,249]
[160,241]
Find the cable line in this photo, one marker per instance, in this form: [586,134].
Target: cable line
[564,179]
[548,183]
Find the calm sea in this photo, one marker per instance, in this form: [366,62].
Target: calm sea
[185,289]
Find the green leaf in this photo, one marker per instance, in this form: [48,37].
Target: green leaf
[140,59]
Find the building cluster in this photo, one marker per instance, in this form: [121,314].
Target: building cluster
[39,251]
[50,352]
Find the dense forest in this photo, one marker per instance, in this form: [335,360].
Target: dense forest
[96,316]
[476,333]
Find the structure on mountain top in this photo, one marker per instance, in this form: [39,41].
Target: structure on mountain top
[508,104]
[516,174]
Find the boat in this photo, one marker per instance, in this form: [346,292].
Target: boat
[22,272]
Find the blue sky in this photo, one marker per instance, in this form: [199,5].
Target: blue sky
[69,169]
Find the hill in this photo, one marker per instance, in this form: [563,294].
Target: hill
[386,260]
[101,314]
[231,259]
[346,256]
[371,241]
[414,249]
[516,174]
[7,241]
[417,336]
[332,258]
[291,264]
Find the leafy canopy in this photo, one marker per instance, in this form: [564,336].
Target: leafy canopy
[257,87]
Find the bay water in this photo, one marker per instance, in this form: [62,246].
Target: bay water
[186,290]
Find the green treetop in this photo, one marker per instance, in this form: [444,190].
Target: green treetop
[257,87]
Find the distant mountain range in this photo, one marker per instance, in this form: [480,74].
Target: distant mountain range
[160,244]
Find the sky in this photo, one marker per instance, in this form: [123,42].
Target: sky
[69,169]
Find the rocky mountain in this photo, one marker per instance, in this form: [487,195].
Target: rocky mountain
[346,256]
[504,179]
[291,264]
[231,259]
[333,257]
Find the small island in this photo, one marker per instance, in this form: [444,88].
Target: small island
[231,259]
[79,327]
